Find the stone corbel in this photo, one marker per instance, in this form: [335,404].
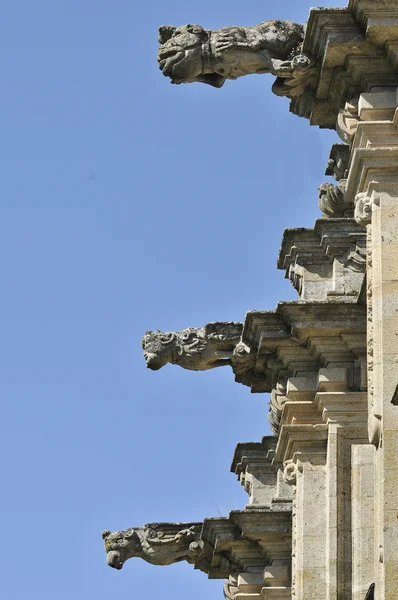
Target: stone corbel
[372,106]
[252,463]
[290,471]
[347,121]
[332,200]
[271,583]
[231,589]
[364,204]
[294,467]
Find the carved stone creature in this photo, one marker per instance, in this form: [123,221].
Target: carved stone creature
[364,205]
[156,543]
[191,53]
[338,161]
[290,471]
[332,200]
[215,345]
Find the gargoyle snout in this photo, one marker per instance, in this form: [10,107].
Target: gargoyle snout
[114,560]
[153,361]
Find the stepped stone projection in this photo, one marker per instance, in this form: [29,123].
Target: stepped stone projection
[321,519]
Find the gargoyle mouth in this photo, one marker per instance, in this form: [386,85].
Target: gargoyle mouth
[153,361]
[168,58]
[114,560]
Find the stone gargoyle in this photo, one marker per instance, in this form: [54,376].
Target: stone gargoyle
[156,543]
[192,53]
[198,349]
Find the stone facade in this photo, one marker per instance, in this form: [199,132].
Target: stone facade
[321,519]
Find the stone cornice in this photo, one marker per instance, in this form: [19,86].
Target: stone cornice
[344,408]
[303,336]
[306,439]
[326,262]
[374,155]
[346,44]
[378,21]
[244,539]
[253,454]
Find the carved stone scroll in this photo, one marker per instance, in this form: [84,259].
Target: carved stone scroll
[347,121]
[231,588]
[156,543]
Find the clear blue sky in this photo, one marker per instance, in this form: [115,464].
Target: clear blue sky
[130,204]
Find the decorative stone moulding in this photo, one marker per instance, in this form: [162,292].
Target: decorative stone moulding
[375,146]
[253,464]
[327,262]
[356,48]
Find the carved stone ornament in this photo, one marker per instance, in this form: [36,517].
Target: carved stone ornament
[277,401]
[338,161]
[156,543]
[374,429]
[290,471]
[231,588]
[198,349]
[331,200]
[191,53]
[363,208]
[356,260]
[347,121]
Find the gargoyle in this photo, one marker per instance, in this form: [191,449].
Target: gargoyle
[191,53]
[156,543]
[332,200]
[215,345]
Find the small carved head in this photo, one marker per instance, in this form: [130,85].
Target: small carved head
[363,209]
[120,546]
[158,348]
[180,55]
[290,472]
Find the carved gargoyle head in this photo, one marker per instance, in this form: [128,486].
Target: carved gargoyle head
[158,348]
[182,52]
[120,546]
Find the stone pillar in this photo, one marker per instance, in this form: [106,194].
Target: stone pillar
[305,451]
[363,508]
[346,416]
[317,459]
[373,184]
